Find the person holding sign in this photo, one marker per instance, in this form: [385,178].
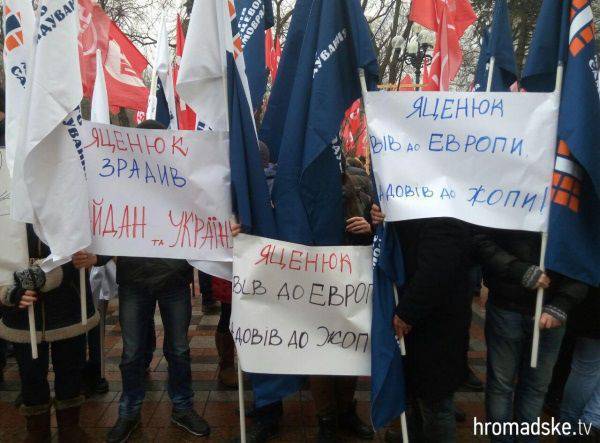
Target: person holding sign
[142,283]
[55,297]
[334,396]
[433,311]
[511,273]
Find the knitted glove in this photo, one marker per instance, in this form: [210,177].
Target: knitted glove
[32,278]
[555,312]
[531,277]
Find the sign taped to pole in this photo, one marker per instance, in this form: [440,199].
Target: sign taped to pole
[485,158]
[300,309]
[13,238]
[158,193]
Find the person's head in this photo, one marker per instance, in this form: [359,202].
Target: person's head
[151,124]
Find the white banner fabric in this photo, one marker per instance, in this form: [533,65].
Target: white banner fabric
[485,158]
[158,193]
[300,309]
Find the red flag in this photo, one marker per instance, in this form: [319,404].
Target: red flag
[123,68]
[123,63]
[407,83]
[93,35]
[449,19]
[354,131]
[186,117]
[272,53]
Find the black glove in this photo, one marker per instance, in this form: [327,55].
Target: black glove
[31,279]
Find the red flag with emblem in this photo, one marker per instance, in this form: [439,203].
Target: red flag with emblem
[449,19]
[186,117]
[94,25]
[123,63]
[123,68]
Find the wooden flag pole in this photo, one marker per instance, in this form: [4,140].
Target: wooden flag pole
[32,333]
[363,86]
[539,302]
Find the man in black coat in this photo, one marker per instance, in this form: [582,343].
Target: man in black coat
[432,314]
[514,390]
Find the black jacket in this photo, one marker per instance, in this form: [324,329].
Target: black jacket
[155,273]
[58,312]
[506,256]
[584,320]
[436,302]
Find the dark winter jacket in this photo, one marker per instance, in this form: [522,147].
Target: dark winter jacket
[507,257]
[584,320]
[436,302]
[155,273]
[58,311]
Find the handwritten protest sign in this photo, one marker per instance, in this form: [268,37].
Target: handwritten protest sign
[158,193]
[485,158]
[300,309]
[13,237]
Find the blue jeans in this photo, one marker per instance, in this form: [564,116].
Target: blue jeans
[136,310]
[514,390]
[438,423]
[581,399]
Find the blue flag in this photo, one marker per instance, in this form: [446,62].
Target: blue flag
[387,379]
[307,193]
[254,17]
[252,204]
[251,200]
[279,100]
[163,113]
[498,43]
[565,33]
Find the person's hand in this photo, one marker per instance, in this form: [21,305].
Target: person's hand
[543,282]
[401,327]
[84,260]
[236,229]
[376,215]
[27,299]
[547,321]
[358,225]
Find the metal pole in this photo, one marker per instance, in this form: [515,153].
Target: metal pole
[241,402]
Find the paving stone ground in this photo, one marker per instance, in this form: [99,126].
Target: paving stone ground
[217,404]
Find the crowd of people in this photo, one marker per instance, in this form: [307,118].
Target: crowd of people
[446,262]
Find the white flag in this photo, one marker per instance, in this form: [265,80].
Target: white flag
[100,108]
[203,71]
[13,240]
[164,69]
[17,24]
[50,160]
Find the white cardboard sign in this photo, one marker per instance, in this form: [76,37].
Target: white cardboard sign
[13,235]
[485,158]
[300,309]
[158,193]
